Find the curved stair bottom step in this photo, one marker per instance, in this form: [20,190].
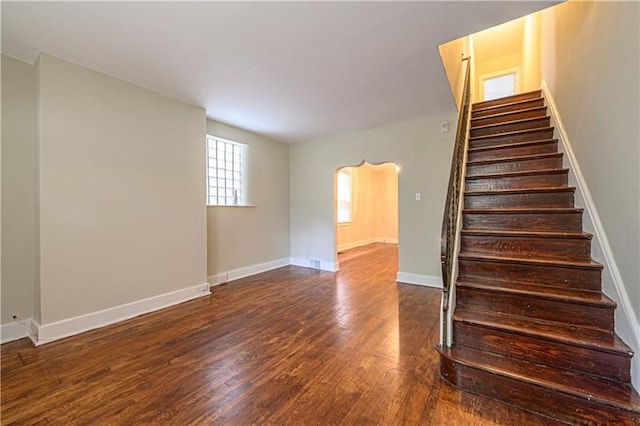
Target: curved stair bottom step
[530,396]
[542,342]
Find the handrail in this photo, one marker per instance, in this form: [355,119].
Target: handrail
[452,210]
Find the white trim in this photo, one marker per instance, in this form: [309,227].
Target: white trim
[360,243]
[386,240]
[354,244]
[419,279]
[14,330]
[324,266]
[627,325]
[45,333]
[247,271]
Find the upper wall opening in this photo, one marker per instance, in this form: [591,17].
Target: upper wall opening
[512,48]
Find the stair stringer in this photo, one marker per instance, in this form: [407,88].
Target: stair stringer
[627,326]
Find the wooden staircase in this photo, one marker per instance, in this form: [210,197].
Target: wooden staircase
[531,325]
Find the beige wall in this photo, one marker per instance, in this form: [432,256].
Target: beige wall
[239,237]
[514,45]
[424,155]
[590,56]
[531,53]
[451,54]
[122,192]
[385,179]
[374,207]
[18,188]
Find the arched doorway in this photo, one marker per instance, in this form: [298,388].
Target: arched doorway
[366,208]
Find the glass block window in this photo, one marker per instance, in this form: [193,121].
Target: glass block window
[225,177]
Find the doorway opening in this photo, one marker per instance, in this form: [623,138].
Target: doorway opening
[366,209]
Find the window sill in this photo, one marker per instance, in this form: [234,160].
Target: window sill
[344,223]
[235,206]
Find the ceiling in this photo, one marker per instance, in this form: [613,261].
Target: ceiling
[289,70]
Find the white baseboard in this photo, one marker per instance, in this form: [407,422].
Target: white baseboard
[247,271]
[386,240]
[324,266]
[360,243]
[45,333]
[354,244]
[419,279]
[14,330]
[627,325]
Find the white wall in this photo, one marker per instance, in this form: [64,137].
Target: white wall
[242,237]
[590,53]
[424,155]
[18,189]
[590,63]
[122,192]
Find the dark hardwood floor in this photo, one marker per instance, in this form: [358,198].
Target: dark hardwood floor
[291,346]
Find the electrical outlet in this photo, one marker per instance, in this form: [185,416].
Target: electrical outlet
[315,263]
[418,196]
[223,278]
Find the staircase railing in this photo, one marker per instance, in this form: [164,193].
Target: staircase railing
[451,220]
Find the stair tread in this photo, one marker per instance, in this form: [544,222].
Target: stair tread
[533,261]
[601,390]
[541,320]
[519,190]
[531,234]
[506,123]
[537,210]
[478,106]
[549,330]
[510,112]
[512,133]
[591,298]
[519,173]
[514,158]
[512,145]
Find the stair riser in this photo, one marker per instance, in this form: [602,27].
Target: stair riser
[532,397]
[533,135]
[504,118]
[549,275]
[547,180]
[515,166]
[600,317]
[528,247]
[533,123]
[563,222]
[507,151]
[536,199]
[533,103]
[588,360]
[510,99]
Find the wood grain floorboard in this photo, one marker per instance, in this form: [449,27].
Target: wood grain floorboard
[288,347]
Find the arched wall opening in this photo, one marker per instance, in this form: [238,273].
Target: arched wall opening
[365,206]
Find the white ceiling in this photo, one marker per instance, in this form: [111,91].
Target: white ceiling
[288,70]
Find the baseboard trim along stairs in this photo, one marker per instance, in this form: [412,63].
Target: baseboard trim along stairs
[531,325]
